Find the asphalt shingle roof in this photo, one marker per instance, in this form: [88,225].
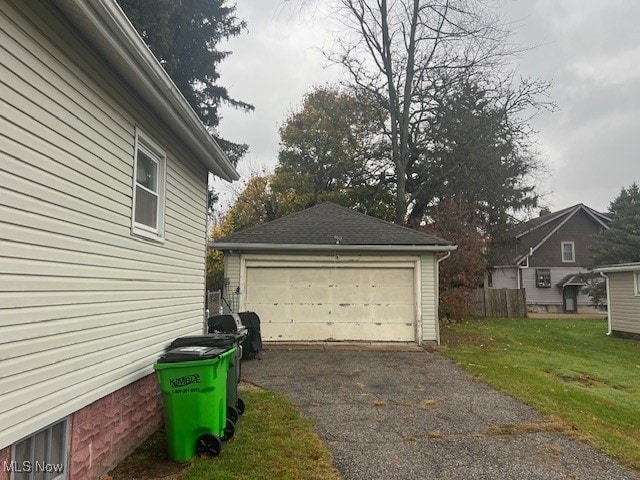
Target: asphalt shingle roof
[329,224]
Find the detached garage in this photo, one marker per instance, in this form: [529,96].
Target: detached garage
[330,273]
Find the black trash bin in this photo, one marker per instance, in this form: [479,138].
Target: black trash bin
[230,323]
[235,405]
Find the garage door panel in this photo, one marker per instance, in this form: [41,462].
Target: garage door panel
[319,331]
[316,303]
[309,276]
[310,294]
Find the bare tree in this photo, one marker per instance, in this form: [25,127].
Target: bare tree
[403,53]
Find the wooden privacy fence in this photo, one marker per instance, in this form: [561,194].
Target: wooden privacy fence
[501,302]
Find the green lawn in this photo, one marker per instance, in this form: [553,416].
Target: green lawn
[272,441]
[566,369]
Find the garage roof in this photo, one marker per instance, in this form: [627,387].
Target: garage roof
[330,227]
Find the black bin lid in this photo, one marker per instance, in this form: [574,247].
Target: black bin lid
[220,340]
[191,353]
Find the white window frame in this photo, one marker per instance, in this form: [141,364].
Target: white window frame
[153,150]
[21,464]
[573,252]
[636,283]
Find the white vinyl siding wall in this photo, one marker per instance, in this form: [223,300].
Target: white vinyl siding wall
[625,304]
[85,307]
[428,294]
[232,270]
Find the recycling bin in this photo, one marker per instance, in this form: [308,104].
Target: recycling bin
[193,383]
[235,404]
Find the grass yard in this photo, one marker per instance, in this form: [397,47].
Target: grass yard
[272,441]
[566,369]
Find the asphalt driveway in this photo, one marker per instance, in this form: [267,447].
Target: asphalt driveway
[416,415]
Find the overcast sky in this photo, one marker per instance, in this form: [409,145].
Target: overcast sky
[589,49]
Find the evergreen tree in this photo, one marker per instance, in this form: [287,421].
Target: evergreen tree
[621,243]
[184,36]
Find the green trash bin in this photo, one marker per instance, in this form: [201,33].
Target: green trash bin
[235,405]
[193,383]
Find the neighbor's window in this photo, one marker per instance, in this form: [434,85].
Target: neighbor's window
[636,278]
[568,252]
[148,190]
[543,278]
[42,455]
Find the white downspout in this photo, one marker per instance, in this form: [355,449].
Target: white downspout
[437,319]
[521,267]
[606,278]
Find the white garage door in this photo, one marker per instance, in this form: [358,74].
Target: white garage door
[333,303]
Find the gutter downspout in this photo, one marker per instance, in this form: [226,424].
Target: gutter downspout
[521,267]
[606,278]
[437,319]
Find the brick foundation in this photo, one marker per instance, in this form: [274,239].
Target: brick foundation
[104,432]
[5,457]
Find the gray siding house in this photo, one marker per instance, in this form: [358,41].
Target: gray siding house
[545,255]
[103,198]
[623,298]
[330,273]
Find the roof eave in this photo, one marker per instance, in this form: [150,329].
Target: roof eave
[227,246]
[625,267]
[104,24]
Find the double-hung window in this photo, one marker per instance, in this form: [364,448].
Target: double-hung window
[636,283]
[568,252]
[148,189]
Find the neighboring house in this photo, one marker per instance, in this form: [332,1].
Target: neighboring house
[623,298]
[331,273]
[103,199]
[545,256]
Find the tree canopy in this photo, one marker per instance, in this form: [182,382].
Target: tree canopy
[621,242]
[414,59]
[476,151]
[330,151]
[184,36]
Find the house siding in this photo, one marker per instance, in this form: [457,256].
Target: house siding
[85,307]
[429,297]
[232,270]
[505,278]
[578,229]
[552,295]
[625,305]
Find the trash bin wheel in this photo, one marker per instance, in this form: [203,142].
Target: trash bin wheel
[232,413]
[229,430]
[240,406]
[208,444]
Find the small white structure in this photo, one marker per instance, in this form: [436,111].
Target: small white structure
[103,199]
[330,273]
[623,297]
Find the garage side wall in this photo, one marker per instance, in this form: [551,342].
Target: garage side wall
[625,304]
[232,270]
[429,297]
